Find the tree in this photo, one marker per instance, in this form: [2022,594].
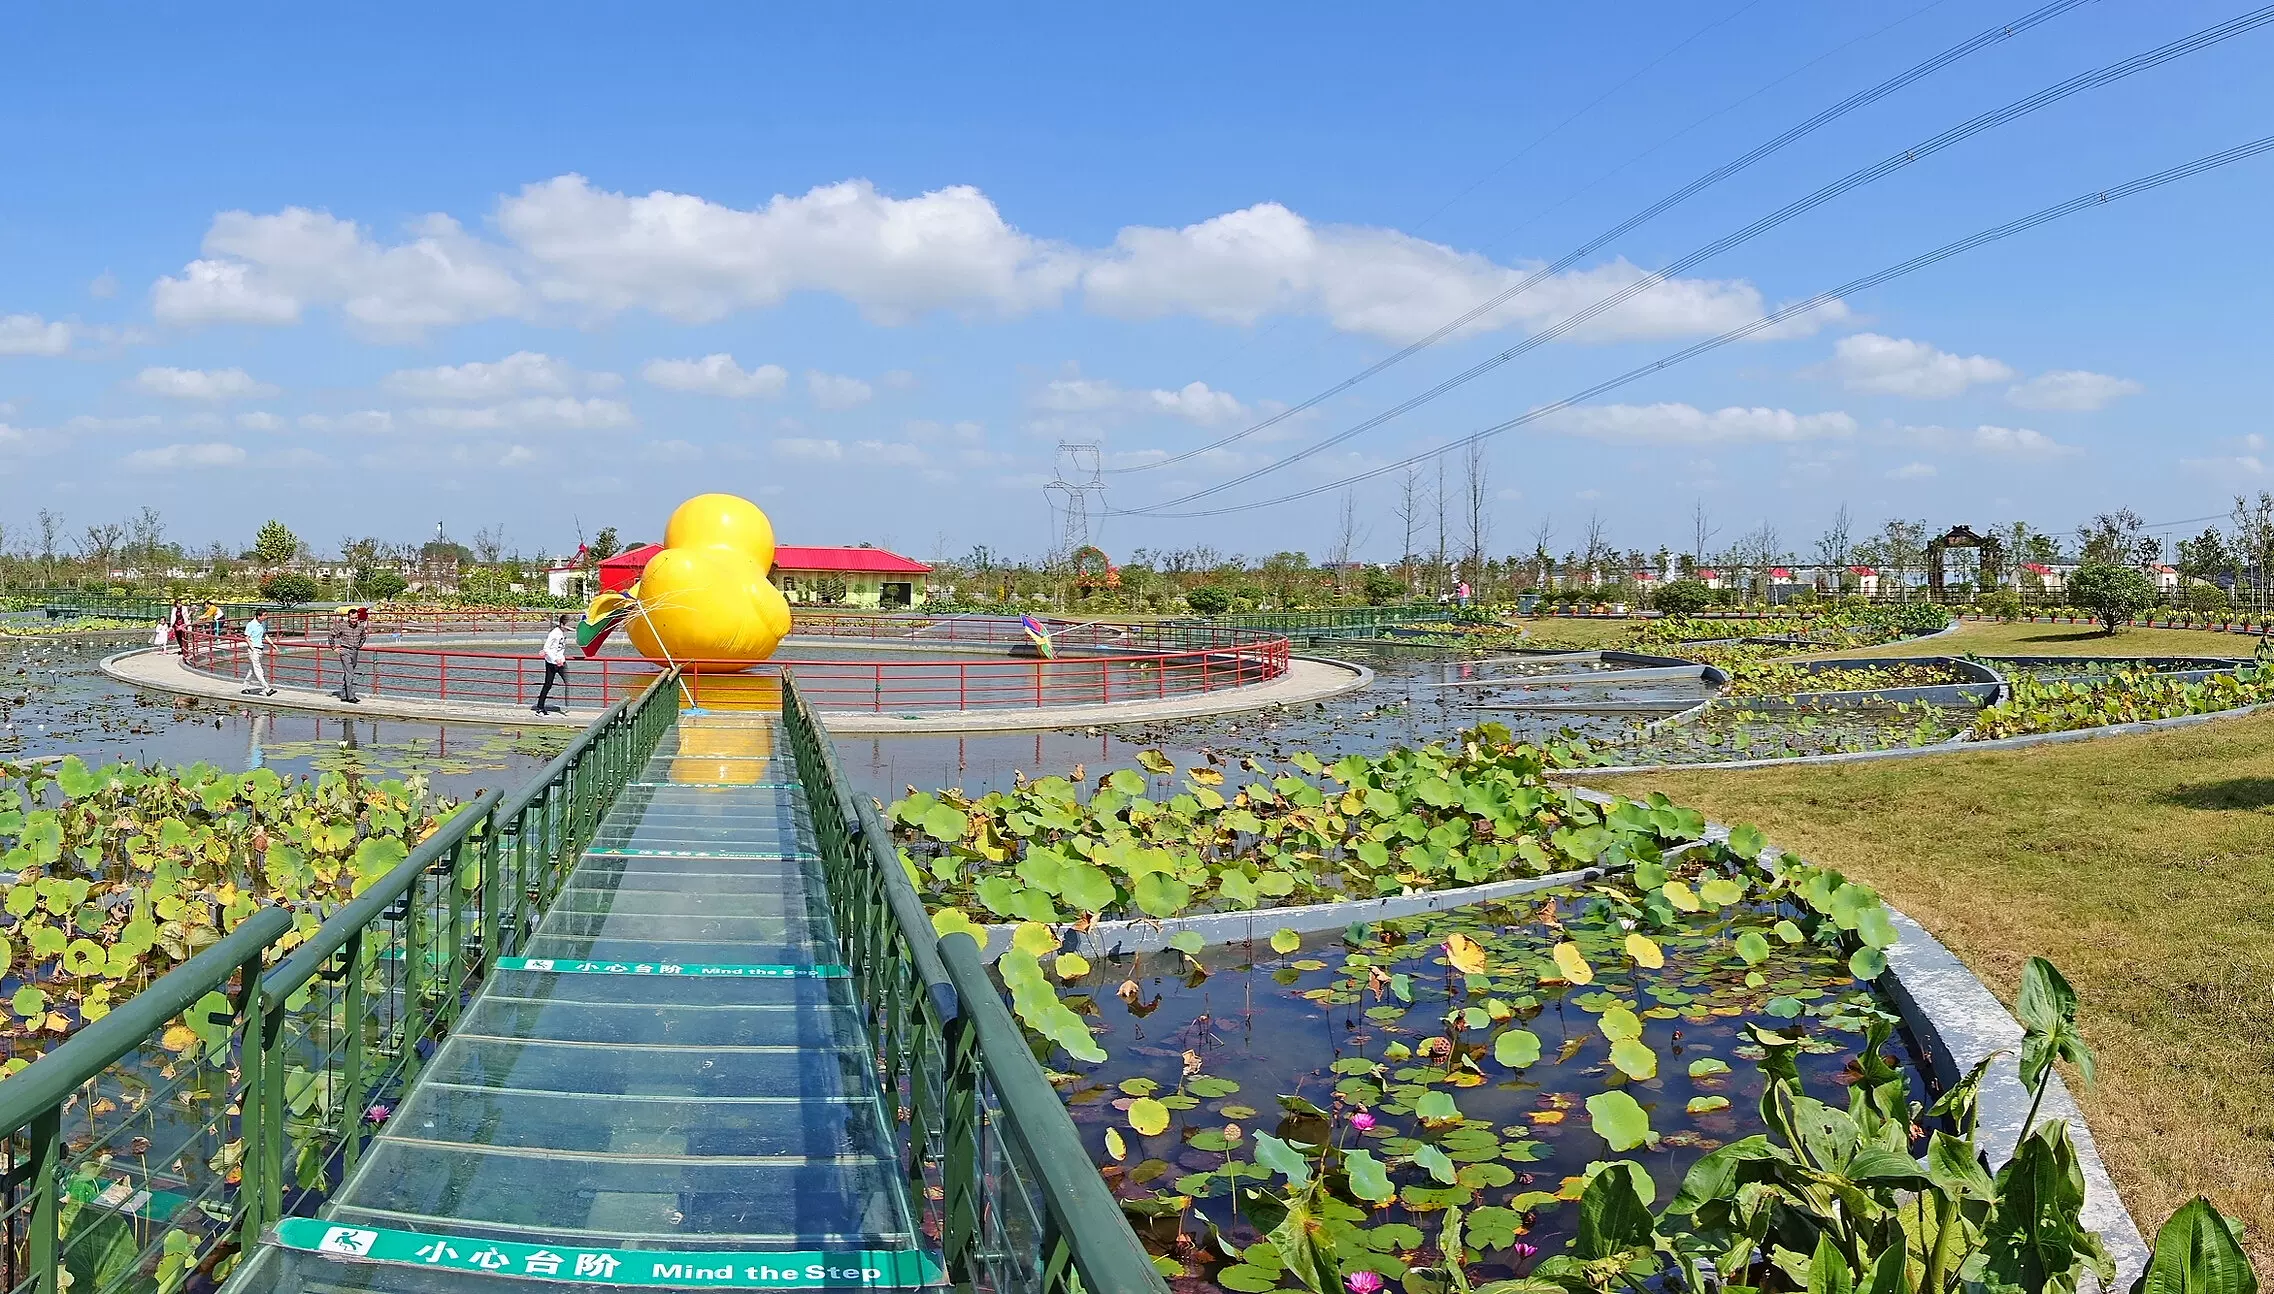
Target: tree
[1409,511]
[1476,483]
[1682,597]
[1209,599]
[380,585]
[1381,587]
[100,544]
[288,587]
[1836,546]
[489,544]
[50,532]
[275,545]
[146,539]
[1702,532]
[2254,539]
[1349,535]
[2114,594]
[2116,539]
[2206,555]
[604,546]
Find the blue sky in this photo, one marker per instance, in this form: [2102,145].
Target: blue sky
[543,267]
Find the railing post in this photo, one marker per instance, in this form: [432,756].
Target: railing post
[351,1108]
[45,1242]
[959,1164]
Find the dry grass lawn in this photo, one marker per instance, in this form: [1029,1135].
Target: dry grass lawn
[2142,866]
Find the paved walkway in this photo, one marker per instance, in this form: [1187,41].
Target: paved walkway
[1307,679]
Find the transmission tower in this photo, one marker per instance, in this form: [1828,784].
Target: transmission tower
[1074,493]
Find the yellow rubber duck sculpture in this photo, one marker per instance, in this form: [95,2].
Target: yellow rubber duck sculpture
[704,602]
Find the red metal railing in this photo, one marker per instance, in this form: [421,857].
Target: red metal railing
[1138,662]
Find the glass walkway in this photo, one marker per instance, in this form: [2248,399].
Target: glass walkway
[672,1087]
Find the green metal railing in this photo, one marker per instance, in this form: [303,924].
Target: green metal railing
[1022,1207]
[137,1176]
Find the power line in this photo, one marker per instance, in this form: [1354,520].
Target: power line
[1860,99]
[2097,198]
[1853,180]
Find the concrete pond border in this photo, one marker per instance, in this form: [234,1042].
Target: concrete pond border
[1954,1018]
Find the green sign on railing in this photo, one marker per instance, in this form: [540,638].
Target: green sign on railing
[677,1269]
[698,970]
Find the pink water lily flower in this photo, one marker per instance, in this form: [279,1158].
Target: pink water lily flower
[1523,1251]
[1362,1121]
[1364,1282]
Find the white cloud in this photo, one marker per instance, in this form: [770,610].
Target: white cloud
[1685,424]
[517,456]
[366,422]
[716,375]
[2011,442]
[570,248]
[1195,402]
[522,371]
[2072,389]
[674,451]
[1896,366]
[86,423]
[899,379]
[809,448]
[260,422]
[536,413]
[832,391]
[965,431]
[32,335]
[203,384]
[104,286]
[1238,267]
[174,458]
[881,453]
[1912,472]
[268,269]
[695,260]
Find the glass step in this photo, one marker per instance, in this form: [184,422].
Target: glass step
[666,932]
[705,797]
[645,1023]
[291,1272]
[604,1197]
[765,878]
[734,953]
[668,991]
[692,1073]
[778,897]
[763,1127]
[592,867]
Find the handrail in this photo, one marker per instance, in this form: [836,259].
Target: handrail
[1024,1210]
[52,1078]
[333,1029]
[1090,1231]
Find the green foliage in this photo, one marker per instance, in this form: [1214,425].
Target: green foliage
[380,585]
[289,588]
[2206,597]
[1209,599]
[1682,597]
[1381,587]
[2002,603]
[117,875]
[275,545]
[2114,594]
[2198,1252]
[2128,696]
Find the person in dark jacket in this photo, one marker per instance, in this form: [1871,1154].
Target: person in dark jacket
[347,640]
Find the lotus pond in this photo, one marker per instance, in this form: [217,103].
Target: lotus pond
[1440,1092]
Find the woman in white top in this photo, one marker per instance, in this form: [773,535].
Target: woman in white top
[555,652]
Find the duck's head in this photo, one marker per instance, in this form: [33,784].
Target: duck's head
[706,597]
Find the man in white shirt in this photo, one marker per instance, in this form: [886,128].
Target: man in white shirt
[555,652]
[256,642]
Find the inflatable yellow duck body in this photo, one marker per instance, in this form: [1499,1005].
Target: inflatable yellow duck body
[704,602]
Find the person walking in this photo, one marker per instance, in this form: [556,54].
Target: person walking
[555,652]
[347,640]
[256,642]
[177,624]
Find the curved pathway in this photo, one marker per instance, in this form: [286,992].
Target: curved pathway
[1307,679]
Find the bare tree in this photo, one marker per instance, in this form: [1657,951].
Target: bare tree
[1702,532]
[1836,545]
[1476,482]
[50,534]
[1409,510]
[146,539]
[2254,541]
[1599,554]
[1437,575]
[489,544]
[1349,535]
[1543,558]
[100,543]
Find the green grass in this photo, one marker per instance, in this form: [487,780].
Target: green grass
[1993,638]
[2140,865]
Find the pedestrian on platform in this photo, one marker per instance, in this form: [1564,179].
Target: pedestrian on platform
[347,640]
[555,652]
[256,643]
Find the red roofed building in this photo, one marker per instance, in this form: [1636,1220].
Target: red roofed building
[859,576]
